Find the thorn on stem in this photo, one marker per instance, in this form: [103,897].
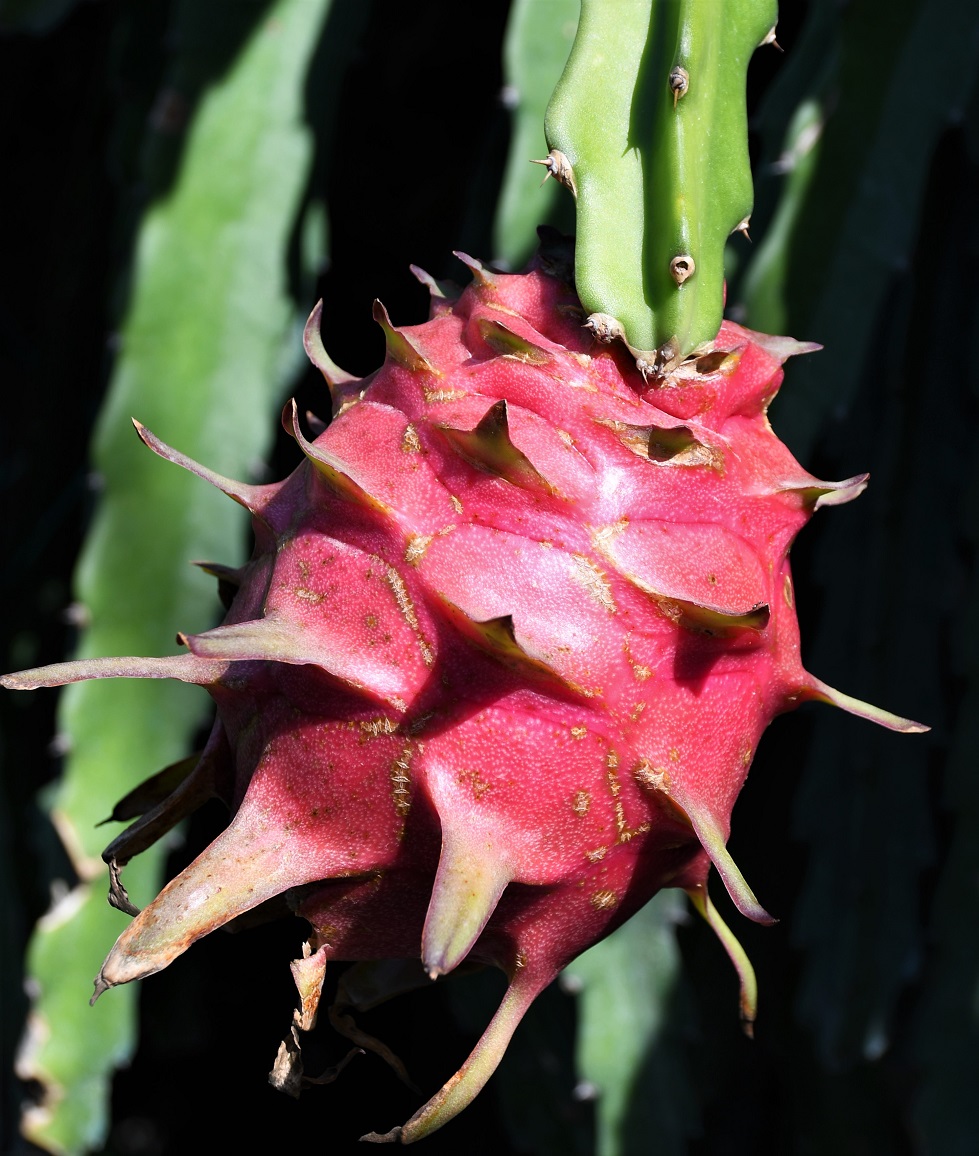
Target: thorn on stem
[770,39]
[559,167]
[682,267]
[679,83]
[604,328]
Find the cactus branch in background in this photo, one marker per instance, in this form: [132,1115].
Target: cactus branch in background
[656,156]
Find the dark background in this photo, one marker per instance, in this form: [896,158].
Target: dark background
[78,93]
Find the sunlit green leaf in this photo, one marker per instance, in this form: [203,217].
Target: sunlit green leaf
[201,361]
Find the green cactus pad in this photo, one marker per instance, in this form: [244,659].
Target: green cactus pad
[650,116]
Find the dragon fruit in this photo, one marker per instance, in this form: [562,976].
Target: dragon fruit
[497,668]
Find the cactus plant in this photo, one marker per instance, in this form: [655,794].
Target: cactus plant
[805,413]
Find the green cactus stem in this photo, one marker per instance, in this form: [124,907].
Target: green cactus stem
[648,128]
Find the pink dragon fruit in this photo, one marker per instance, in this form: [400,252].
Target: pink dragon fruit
[499,663]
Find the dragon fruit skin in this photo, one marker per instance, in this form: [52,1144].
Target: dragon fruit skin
[498,666]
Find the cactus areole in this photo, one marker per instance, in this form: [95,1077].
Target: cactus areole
[509,636]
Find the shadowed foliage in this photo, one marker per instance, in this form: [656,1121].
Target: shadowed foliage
[377,137]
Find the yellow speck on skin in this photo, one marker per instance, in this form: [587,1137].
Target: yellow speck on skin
[410,443]
[588,575]
[604,900]
[625,832]
[479,786]
[307,595]
[401,596]
[631,833]
[433,396]
[602,536]
[670,609]
[650,777]
[378,726]
[581,803]
[579,732]
[401,781]
[787,591]
[403,599]
[596,855]
[621,826]
[417,545]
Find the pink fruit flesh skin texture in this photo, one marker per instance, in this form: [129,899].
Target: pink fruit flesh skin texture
[497,668]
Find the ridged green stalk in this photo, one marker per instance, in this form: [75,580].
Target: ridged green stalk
[648,127]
